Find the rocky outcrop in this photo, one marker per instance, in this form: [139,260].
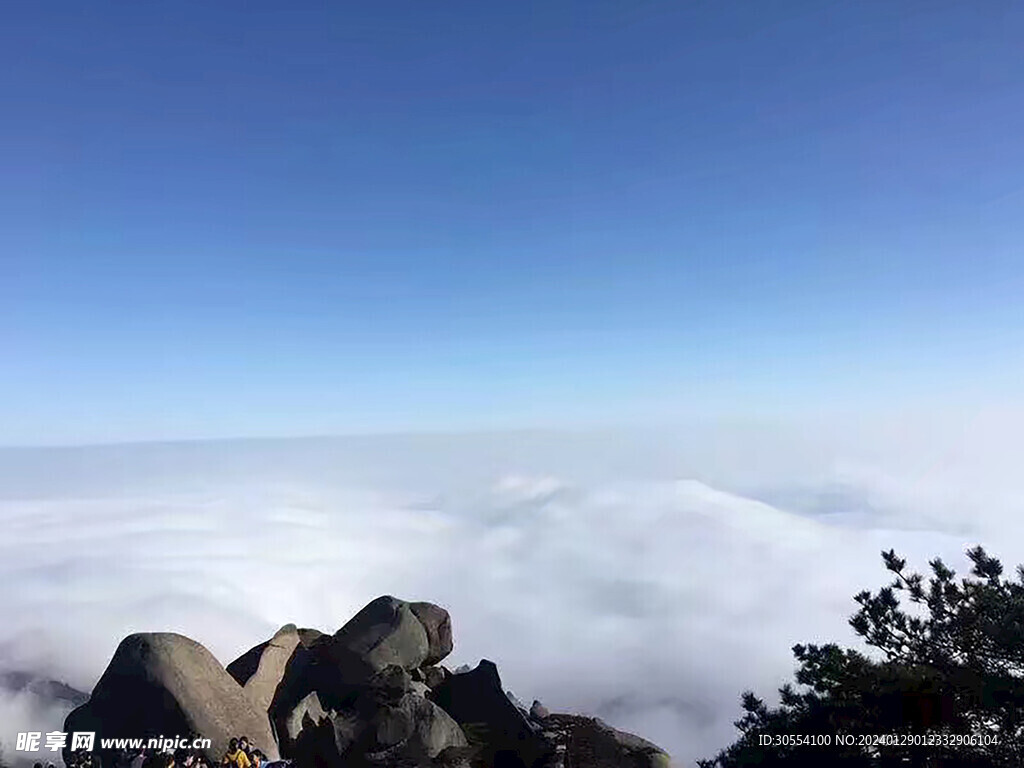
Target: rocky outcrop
[386,722]
[476,700]
[585,741]
[166,685]
[371,695]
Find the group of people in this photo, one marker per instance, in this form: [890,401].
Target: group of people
[240,754]
[141,758]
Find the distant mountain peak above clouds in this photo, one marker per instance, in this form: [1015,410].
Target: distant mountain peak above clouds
[50,691]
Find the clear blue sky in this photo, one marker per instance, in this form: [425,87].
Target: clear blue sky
[240,218]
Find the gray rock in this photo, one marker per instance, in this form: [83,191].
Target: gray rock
[309,637]
[348,729]
[589,741]
[420,689]
[476,699]
[261,669]
[308,714]
[338,669]
[413,727]
[438,624]
[391,683]
[405,731]
[384,632]
[298,680]
[329,744]
[538,711]
[434,676]
[163,684]
[454,757]
[638,751]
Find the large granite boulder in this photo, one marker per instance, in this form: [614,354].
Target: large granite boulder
[385,632]
[164,684]
[387,638]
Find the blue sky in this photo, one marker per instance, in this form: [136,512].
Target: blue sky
[262,218]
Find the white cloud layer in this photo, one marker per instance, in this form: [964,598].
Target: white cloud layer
[644,577]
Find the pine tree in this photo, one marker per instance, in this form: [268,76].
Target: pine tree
[945,683]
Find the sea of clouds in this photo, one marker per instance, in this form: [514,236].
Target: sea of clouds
[644,576]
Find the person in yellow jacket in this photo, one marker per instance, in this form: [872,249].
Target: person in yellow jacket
[236,758]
